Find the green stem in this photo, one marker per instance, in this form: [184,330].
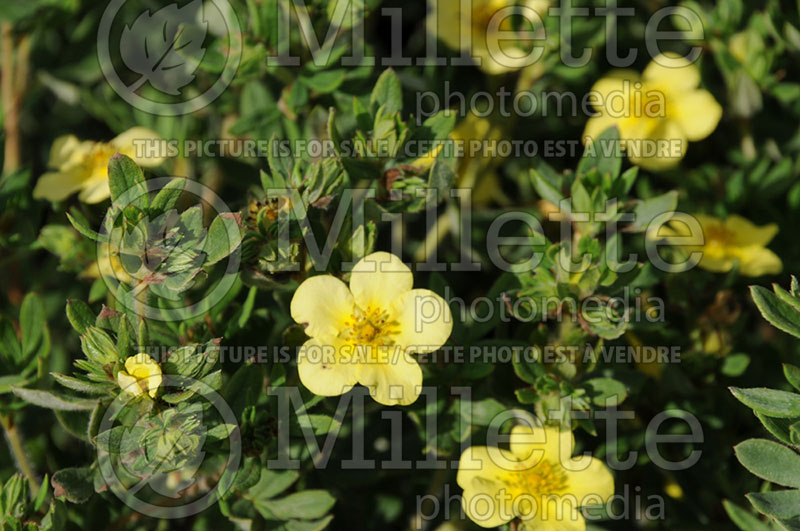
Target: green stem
[15,443]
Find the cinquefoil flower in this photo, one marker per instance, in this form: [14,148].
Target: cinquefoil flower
[728,242]
[657,112]
[367,333]
[473,33]
[536,480]
[141,375]
[82,166]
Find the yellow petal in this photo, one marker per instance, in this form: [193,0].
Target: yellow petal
[555,514]
[57,186]
[146,371]
[697,113]
[589,481]
[597,125]
[95,191]
[665,137]
[425,321]
[487,503]
[63,151]
[135,143]
[541,442]
[615,82]
[323,303]
[378,280]
[673,72]
[395,382]
[128,383]
[756,261]
[747,233]
[717,264]
[325,368]
[487,462]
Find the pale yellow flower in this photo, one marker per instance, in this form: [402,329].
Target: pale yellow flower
[536,480]
[729,242]
[657,113]
[82,166]
[472,32]
[141,375]
[367,333]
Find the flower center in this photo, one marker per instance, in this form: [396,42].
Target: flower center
[543,479]
[718,240]
[370,326]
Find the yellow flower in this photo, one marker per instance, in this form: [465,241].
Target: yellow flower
[657,113]
[728,242]
[141,375]
[365,334]
[536,480]
[471,32]
[83,165]
[479,138]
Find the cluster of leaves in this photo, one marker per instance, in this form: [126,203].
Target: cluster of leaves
[779,412]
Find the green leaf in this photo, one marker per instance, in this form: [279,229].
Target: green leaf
[50,400]
[80,385]
[82,225]
[603,155]
[605,391]
[792,375]
[273,482]
[32,322]
[388,91]
[80,315]
[646,211]
[224,236]
[770,461]
[9,346]
[483,411]
[743,518]
[124,175]
[74,484]
[770,402]
[166,198]
[779,313]
[546,189]
[735,364]
[780,504]
[12,380]
[306,505]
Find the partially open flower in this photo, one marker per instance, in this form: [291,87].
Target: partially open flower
[367,333]
[141,375]
[82,166]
